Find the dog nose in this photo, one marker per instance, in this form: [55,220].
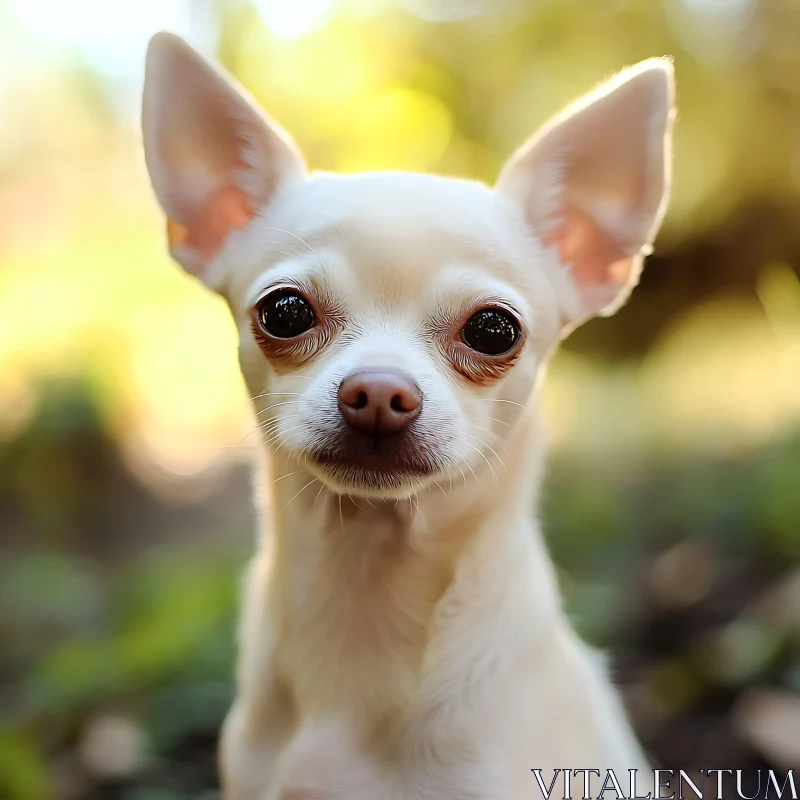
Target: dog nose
[379,401]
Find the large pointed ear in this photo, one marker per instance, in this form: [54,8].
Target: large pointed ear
[214,159]
[594,183]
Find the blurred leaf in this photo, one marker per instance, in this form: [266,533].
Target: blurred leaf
[68,595]
[23,772]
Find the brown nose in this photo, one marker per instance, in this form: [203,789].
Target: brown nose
[379,401]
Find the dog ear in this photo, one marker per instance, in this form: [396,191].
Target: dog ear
[214,158]
[594,183]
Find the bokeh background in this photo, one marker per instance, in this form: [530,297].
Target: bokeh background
[672,502]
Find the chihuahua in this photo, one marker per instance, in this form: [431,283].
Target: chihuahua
[402,634]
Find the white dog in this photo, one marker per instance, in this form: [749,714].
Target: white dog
[403,636]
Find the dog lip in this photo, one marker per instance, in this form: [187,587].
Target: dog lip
[374,462]
[384,462]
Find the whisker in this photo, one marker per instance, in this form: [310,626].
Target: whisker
[420,514]
[298,493]
[280,241]
[478,439]
[272,425]
[276,405]
[469,467]
[280,434]
[286,475]
[276,250]
[353,501]
[486,430]
[293,448]
[299,239]
[248,435]
[500,421]
[483,456]
[272,394]
[497,400]
[265,423]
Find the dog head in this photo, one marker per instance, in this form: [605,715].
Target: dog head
[392,325]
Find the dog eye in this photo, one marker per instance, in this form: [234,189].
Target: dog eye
[285,314]
[491,332]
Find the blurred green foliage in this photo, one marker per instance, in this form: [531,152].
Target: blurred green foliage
[672,503]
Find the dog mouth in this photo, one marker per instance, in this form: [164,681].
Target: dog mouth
[378,464]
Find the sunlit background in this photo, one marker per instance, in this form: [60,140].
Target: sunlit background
[673,501]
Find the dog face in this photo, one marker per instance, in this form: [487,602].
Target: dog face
[392,325]
[398,335]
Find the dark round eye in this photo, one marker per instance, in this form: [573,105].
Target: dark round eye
[285,314]
[491,331]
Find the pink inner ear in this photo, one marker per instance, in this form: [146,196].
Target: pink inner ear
[207,228]
[594,258]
